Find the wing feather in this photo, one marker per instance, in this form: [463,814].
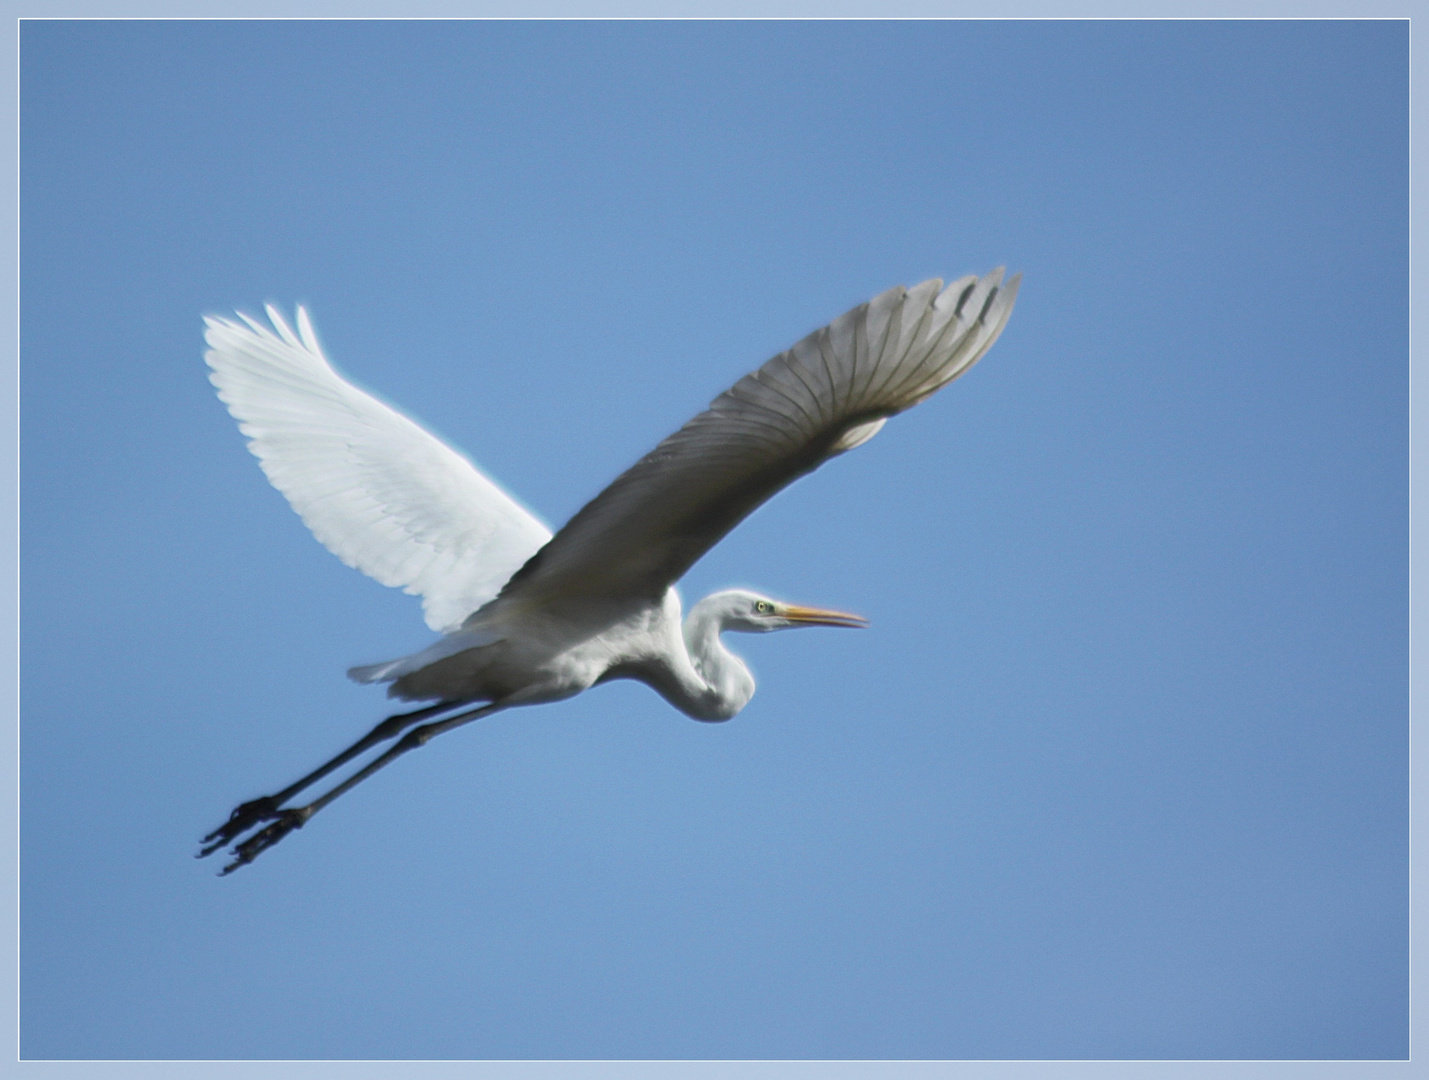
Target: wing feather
[381,493]
[830,392]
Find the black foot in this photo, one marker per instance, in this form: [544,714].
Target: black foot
[259,842]
[239,822]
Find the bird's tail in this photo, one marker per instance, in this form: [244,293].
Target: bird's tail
[371,673]
[458,642]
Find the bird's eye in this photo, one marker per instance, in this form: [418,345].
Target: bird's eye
[763,607]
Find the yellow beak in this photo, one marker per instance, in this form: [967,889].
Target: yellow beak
[811,616]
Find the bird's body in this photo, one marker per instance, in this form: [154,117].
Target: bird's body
[533,659]
[528,617]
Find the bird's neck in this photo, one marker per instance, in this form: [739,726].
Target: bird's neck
[717,684]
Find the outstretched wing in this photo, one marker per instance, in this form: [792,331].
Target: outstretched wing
[382,494]
[829,393]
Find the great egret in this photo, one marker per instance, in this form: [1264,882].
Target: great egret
[528,617]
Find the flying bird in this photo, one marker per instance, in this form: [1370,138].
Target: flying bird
[527,617]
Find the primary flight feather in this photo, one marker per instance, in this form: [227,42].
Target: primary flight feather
[528,617]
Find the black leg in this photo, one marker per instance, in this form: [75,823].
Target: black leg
[247,815]
[288,820]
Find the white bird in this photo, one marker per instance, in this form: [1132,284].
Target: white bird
[528,617]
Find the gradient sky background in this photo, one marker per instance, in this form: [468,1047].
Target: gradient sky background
[1120,769]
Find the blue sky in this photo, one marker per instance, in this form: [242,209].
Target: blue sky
[1120,769]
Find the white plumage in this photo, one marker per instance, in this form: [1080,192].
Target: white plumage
[528,617]
[382,494]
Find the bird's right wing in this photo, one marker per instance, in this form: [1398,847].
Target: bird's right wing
[829,393]
[381,493]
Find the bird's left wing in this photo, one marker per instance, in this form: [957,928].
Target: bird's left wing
[382,494]
[829,393]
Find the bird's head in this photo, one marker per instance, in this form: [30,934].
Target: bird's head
[754,614]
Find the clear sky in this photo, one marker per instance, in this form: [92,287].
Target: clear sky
[1120,768]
